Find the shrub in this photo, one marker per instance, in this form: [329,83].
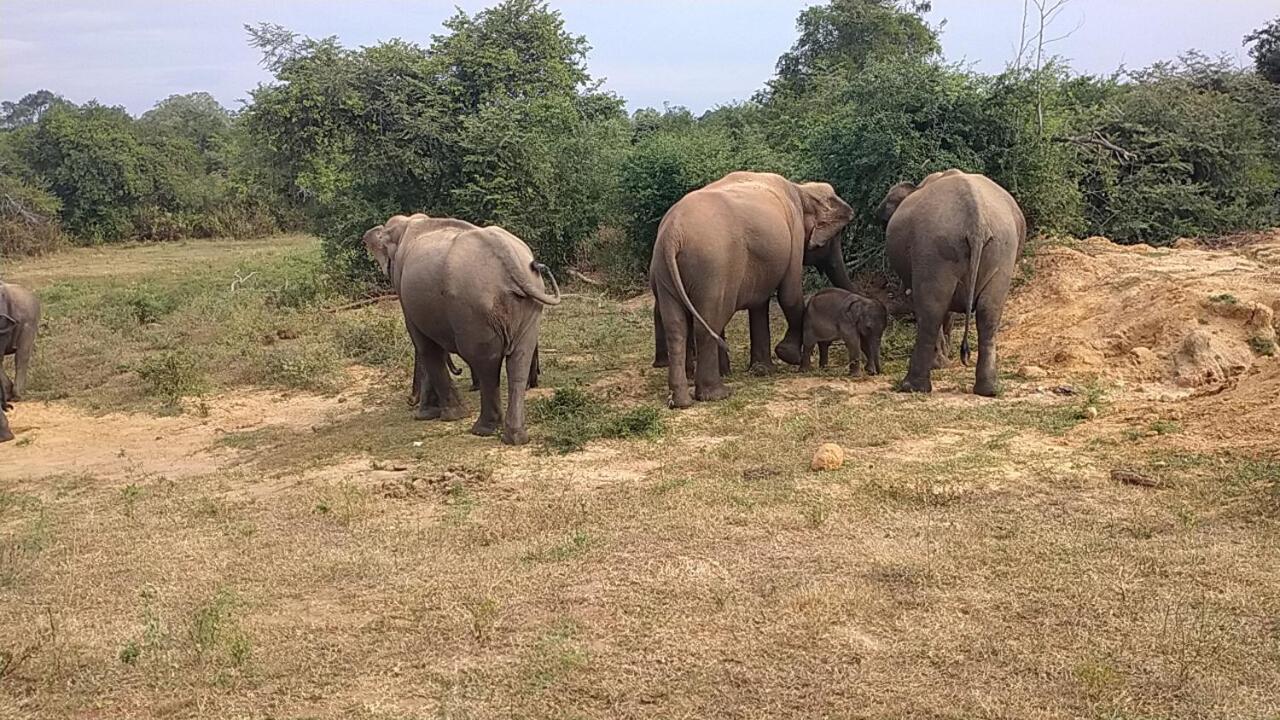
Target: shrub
[303,365]
[171,375]
[572,418]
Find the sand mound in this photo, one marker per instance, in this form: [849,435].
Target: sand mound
[1182,318]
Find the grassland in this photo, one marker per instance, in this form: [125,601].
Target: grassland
[250,525]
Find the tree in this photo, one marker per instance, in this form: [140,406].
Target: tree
[29,109]
[195,117]
[1266,50]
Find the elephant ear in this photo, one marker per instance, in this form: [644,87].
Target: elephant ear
[378,244]
[893,199]
[825,214]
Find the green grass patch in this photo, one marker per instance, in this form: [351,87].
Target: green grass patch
[571,418]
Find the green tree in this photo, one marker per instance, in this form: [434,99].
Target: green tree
[1265,50]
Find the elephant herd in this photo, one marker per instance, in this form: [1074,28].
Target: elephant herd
[735,244]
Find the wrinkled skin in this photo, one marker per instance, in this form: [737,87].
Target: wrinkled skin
[836,314]
[21,306]
[955,240]
[7,327]
[475,292]
[727,247]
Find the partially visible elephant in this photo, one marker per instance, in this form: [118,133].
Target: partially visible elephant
[7,326]
[20,305]
[835,314]
[954,240]
[727,247]
[828,259]
[476,292]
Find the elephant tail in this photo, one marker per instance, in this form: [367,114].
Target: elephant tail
[673,269]
[541,296]
[977,240]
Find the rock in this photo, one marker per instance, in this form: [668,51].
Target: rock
[828,457]
[1091,412]
[1143,355]
[1129,477]
[1185,244]
[1202,359]
[1032,372]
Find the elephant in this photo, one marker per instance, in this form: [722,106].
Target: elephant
[475,292]
[7,326]
[835,314]
[23,308]
[828,259]
[730,246]
[954,240]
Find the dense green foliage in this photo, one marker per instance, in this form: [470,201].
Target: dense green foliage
[498,121]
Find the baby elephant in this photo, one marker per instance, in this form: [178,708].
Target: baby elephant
[836,314]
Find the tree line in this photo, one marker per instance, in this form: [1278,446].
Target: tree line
[497,120]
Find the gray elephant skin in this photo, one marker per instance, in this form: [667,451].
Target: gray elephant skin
[727,247]
[476,292]
[7,326]
[836,314]
[23,308]
[828,259]
[954,240]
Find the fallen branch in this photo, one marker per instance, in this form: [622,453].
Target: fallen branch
[579,276]
[1097,139]
[362,303]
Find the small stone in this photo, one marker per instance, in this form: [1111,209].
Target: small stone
[828,457]
[1091,412]
[1143,354]
[1032,372]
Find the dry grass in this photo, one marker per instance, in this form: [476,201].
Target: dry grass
[973,558]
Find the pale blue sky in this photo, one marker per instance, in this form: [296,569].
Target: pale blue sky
[698,53]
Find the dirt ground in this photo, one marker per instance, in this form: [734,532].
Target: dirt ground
[1100,541]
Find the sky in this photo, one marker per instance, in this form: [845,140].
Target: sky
[696,53]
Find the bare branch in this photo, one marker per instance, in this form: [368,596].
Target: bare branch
[1097,139]
[364,302]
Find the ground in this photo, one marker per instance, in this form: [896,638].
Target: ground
[218,506]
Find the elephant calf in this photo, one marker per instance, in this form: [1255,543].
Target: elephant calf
[954,240]
[476,292]
[21,307]
[836,314]
[7,326]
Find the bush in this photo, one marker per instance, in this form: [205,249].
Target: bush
[571,418]
[303,365]
[171,375]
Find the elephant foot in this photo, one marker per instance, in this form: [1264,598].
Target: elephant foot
[431,413]
[940,362]
[453,412]
[485,429]
[713,394]
[915,386]
[680,400]
[788,353]
[515,437]
[475,387]
[855,372]
[986,388]
[661,363]
[760,367]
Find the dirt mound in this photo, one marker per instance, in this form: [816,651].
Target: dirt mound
[1172,319]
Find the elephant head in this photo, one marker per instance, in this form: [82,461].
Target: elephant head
[382,241]
[825,213]
[893,199]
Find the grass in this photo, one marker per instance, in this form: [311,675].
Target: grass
[315,558]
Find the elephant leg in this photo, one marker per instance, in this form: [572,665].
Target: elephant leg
[678,336]
[449,403]
[854,345]
[660,355]
[489,372]
[519,362]
[942,355]
[535,369]
[791,298]
[931,305]
[427,400]
[824,350]
[988,324]
[475,378]
[870,346]
[761,358]
[709,386]
[6,385]
[22,362]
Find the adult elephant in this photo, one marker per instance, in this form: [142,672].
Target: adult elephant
[727,247]
[391,233]
[827,259]
[471,291]
[22,307]
[954,240]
